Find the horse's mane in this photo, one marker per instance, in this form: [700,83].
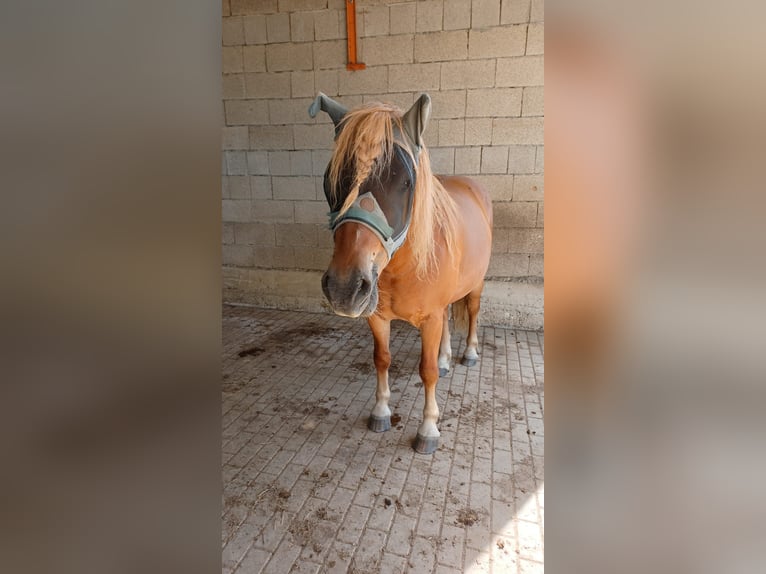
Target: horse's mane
[366,141]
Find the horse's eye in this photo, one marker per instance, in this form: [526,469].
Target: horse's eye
[406,183]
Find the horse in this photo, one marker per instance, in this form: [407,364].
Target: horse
[407,244]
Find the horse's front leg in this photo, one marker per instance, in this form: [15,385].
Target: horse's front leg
[380,418]
[427,439]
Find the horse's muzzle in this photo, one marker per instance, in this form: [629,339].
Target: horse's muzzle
[353,296]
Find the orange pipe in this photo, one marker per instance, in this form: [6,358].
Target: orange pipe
[351,36]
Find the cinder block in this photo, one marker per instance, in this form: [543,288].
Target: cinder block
[442,160]
[413,77]
[376,21]
[319,136]
[494,159]
[363,81]
[319,160]
[237,255]
[326,81]
[235,138]
[540,214]
[497,42]
[236,187]
[457,14]
[246,112]
[494,102]
[274,257]
[500,187]
[312,258]
[440,46]
[402,17]
[233,32]
[536,39]
[253,6]
[537,266]
[540,159]
[467,160]
[523,71]
[537,13]
[255,58]
[533,101]
[525,240]
[485,13]
[227,233]
[226,8]
[236,163]
[254,233]
[271,137]
[260,187]
[255,29]
[271,211]
[235,209]
[326,25]
[528,188]
[280,112]
[301,5]
[451,132]
[508,265]
[302,26]
[278,28]
[468,74]
[267,85]
[521,159]
[499,239]
[330,54]
[258,163]
[386,50]
[429,16]
[449,104]
[300,163]
[514,12]
[289,57]
[402,100]
[515,214]
[302,86]
[478,131]
[231,62]
[279,163]
[233,86]
[304,234]
[517,131]
[311,212]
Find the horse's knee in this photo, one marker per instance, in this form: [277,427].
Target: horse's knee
[382,360]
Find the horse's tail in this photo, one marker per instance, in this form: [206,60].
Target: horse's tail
[460,315]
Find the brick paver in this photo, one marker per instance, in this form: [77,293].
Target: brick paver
[307,488]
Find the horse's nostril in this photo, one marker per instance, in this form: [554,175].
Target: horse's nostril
[365,286]
[325,282]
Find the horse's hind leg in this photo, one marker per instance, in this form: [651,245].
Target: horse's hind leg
[380,419]
[445,348]
[427,439]
[473,301]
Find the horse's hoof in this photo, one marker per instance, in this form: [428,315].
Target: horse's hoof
[443,372]
[468,362]
[425,445]
[379,424]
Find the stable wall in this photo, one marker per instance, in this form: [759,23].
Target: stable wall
[482,64]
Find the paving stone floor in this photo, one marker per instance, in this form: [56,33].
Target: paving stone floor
[307,488]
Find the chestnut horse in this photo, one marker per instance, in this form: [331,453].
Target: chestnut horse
[407,244]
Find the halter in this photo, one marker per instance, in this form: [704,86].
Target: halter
[367,211]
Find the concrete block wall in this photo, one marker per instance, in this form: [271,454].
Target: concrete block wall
[482,63]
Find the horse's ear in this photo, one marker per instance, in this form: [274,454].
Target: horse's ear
[415,120]
[327,104]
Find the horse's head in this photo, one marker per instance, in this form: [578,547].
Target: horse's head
[370,187]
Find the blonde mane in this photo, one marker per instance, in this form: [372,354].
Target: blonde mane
[366,141]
